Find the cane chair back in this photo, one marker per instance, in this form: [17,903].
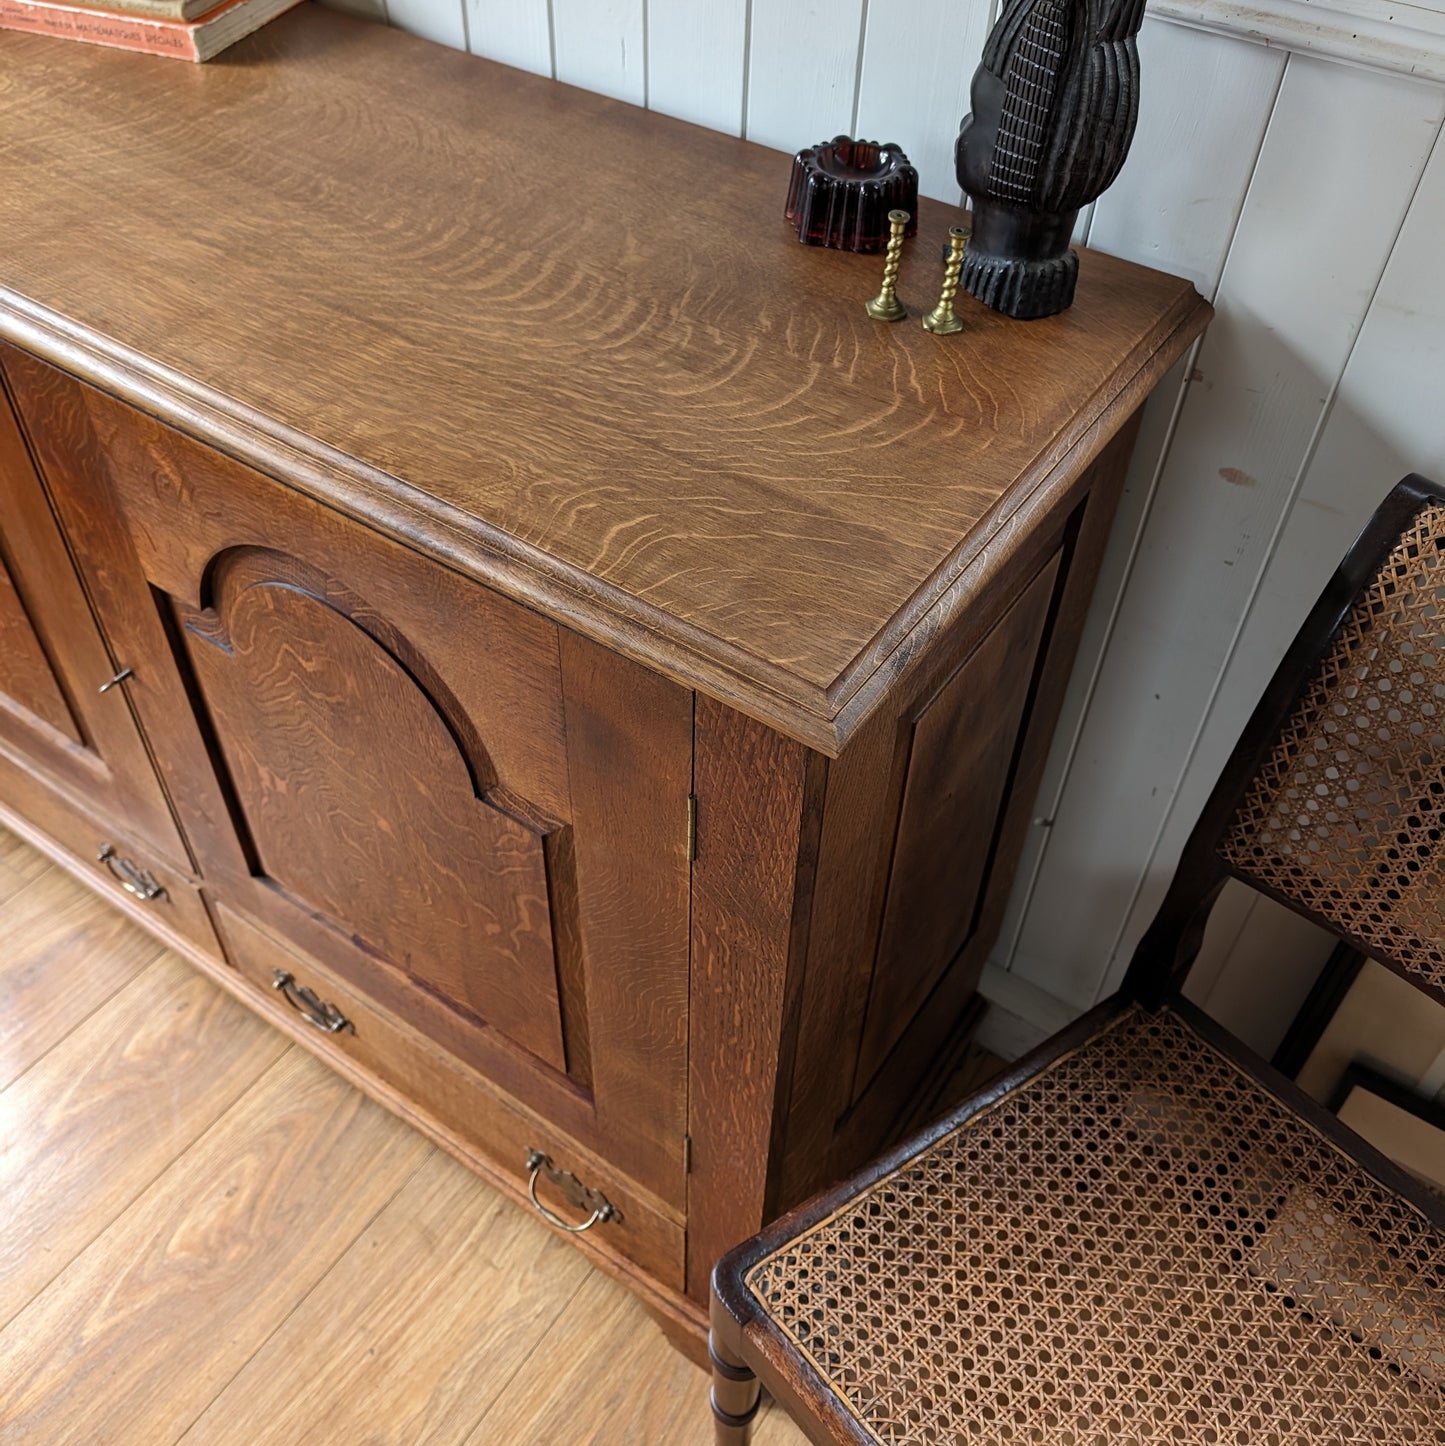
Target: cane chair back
[1333,800]
[1345,816]
[1142,1235]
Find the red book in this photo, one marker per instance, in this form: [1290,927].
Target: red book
[197,39]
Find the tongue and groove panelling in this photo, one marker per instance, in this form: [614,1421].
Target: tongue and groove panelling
[1304,193]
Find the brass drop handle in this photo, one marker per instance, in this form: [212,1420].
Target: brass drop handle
[307,1003]
[573,1190]
[132,879]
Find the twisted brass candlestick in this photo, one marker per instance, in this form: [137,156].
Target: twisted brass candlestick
[886,305]
[941,320]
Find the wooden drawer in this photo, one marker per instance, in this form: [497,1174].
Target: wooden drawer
[412,1075]
[127,872]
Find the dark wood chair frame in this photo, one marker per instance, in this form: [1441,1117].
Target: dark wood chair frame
[747,1352]
[1326,995]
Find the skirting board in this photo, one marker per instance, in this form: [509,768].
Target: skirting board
[1407,39]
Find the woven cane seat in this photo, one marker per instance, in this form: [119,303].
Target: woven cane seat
[1345,816]
[1139,1244]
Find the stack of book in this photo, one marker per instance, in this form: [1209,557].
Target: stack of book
[186,29]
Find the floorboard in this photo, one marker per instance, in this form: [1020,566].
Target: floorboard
[600,1381]
[18,865]
[136,1336]
[102,1114]
[206,1237]
[421,1325]
[64,953]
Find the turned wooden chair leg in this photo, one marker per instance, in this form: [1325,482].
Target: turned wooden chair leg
[735,1395]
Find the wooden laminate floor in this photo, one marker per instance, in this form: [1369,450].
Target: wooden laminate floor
[207,1237]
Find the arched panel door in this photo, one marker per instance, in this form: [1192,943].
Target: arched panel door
[459,809]
[362,802]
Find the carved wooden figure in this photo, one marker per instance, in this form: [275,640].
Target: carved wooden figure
[1055,101]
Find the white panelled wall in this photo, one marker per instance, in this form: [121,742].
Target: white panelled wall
[1303,192]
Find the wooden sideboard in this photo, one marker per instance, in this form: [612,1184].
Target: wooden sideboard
[557,633]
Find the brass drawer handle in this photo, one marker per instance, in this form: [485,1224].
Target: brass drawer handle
[132,879]
[325,1017]
[573,1191]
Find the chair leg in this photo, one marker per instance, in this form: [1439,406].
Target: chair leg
[735,1395]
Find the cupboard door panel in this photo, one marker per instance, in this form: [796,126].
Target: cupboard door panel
[27,681]
[469,816]
[53,662]
[360,804]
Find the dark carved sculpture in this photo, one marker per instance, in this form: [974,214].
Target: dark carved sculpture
[1054,102]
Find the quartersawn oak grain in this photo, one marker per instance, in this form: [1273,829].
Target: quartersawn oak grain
[299,691]
[961,744]
[836,1114]
[758,798]
[485,1130]
[27,676]
[686,440]
[681,441]
[382,727]
[53,712]
[758,1061]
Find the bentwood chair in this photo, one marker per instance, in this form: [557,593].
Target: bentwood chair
[1143,1234]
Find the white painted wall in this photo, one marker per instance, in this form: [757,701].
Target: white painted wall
[1300,183]
[1318,176]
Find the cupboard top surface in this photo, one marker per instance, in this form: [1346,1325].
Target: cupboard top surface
[566,345]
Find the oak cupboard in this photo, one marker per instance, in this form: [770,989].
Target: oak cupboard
[562,661]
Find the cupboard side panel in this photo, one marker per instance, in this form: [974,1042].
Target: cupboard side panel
[1080,528]
[962,745]
[757,817]
[629,746]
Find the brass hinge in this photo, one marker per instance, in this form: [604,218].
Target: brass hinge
[691,827]
[687,1154]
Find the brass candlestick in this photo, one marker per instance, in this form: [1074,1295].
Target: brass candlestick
[941,320]
[886,305]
